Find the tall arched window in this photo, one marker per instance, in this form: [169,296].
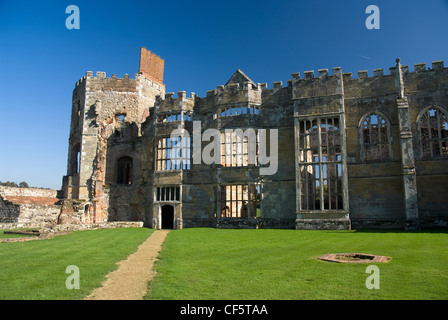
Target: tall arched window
[375,137]
[432,126]
[124,170]
[320,164]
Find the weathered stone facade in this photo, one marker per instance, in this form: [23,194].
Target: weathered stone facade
[28,206]
[41,208]
[364,152]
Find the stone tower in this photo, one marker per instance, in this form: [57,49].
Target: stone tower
[100,107]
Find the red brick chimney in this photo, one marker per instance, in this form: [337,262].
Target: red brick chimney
[151,66]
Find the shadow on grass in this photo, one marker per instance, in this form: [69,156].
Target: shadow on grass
[424,230]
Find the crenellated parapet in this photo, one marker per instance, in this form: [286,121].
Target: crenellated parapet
[323,85]
[168,103]
[367,83]
[114,83]
[235,93]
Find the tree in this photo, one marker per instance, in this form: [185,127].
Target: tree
[11,184]
[23,184]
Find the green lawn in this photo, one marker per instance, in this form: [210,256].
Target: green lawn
[36,269]
[221,264]
[281,264]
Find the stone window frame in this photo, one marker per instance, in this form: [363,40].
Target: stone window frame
[164,150]
[174,116]
[234,197]
[171,193]
[237,110]
[442,134]
[385,144]
[120,118]
[76,114]
[322,166]
[124,175]
[75,159]
[239,152]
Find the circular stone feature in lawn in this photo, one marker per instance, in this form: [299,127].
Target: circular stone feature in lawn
[354,258]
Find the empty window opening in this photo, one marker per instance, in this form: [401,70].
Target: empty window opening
[375,138]
[238,110]
[77,114]
[168,194]
[254,109]
[75,160]
[124,170]
[174,117]
[239,150]
[78,162]
[240,201]
[320,165]
[120,117]
[433,131]
[173,153]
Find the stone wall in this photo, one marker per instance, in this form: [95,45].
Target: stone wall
[29,206]
[93,226]
[397,190]
[103,107]
[28,192]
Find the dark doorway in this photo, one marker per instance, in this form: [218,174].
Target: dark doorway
[167,217]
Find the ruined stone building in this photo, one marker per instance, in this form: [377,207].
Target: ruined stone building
[370,151]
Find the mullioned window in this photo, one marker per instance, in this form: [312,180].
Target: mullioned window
[432,126]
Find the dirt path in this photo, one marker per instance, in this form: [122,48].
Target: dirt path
[129,281]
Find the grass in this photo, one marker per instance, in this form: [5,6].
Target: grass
[280,264]
[216,264]
[35,270]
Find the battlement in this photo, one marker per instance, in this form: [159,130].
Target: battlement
[363,74]
[311,76]
[418,68]
[276,85]
[100,76]
[167,102]
[231,88]
[81,81]
[379,72]
[181,95]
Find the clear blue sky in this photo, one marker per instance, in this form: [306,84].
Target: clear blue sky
[202,42]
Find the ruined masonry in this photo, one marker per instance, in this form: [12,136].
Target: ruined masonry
[370,151]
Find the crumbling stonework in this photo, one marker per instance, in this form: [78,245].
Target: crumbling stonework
[36,207]
[28,206]
[370,151]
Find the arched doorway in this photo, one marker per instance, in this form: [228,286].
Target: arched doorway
[167,217]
